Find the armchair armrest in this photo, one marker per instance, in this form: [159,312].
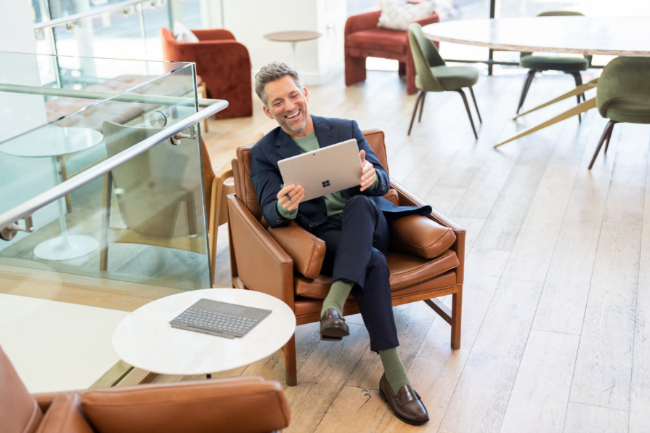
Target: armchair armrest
[261,263]
[213,35]
[307,251]
[421,236]
[406,198]
[431,19]
[365,21]
[44,400]
[239,405]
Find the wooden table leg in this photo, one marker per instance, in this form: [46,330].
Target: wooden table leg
[578,109]
[577,91]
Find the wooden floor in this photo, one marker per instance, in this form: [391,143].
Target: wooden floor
[556,314]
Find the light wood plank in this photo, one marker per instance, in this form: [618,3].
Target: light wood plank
[354,410]
[582,418]
[481,396]
[541,392]
[604,364]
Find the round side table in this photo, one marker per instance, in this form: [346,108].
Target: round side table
[54,142]
[294,37]
[146,340]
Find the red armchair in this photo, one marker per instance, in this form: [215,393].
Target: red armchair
[223,64]
[364,39]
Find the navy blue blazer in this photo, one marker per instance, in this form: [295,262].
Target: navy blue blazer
[277,145]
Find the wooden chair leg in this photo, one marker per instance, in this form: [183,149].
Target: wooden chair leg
[106,221]
[424,96]
[471,91]
[608,128]
[609,136]
[524,90]
[578,79]
[456,315]
[289,355]
[469,113]
[415,110]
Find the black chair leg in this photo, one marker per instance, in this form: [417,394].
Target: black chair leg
[578,79]
[609,136]
[524,91]
[424,97]
[469,114]
[415,110]
[471,91]
[606,133]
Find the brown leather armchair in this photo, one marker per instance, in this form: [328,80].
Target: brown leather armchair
[242,404]
[364,39]
[426,257]
[223,64]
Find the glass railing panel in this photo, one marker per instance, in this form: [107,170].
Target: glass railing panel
[144,222]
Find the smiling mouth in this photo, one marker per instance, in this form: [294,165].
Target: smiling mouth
[293,116]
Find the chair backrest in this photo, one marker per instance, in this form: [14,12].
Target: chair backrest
[153,186]
[425,56]
[559,14]
[241,168]
[624,77]
[19,412]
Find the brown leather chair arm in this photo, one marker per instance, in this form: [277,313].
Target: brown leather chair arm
[261,263]
[44,400]
[213,35]
[365,21]
[306,250]
[235,405]
[406,198]
[421,236]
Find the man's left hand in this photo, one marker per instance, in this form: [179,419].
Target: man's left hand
[368,174]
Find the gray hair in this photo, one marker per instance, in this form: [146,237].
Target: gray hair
[272,72]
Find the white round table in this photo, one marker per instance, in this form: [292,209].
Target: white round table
[293,36]
[146,340]
[610,36]
[54,142]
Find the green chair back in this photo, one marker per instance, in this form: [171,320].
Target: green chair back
[625,78]
[560,14]
[425,56]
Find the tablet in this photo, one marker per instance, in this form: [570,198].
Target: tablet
[324,171]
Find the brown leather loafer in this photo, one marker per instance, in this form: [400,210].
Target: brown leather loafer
[332,326]
[406,404]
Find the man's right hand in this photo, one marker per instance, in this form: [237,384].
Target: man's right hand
[295,195]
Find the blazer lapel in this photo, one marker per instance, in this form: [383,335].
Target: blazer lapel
[286,147]
[325,134]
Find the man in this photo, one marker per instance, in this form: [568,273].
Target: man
[354,223]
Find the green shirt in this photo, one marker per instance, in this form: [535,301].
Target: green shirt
[335,202]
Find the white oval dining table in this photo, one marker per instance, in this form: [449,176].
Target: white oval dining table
[612,36]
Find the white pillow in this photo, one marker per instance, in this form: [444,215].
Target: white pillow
[397,15]
[183,34]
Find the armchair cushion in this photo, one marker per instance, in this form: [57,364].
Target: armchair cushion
[390,41]
[232,405]
[306,250]
[405,270]
[392,196]
[65,415]
[420,236]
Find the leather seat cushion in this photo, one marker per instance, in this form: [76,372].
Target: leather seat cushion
[391,41]
[452,77]
[305,306]
[631,109]
[405,270]
[552,63]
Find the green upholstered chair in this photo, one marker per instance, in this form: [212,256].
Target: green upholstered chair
[568,65]
[434,76]
[623,95]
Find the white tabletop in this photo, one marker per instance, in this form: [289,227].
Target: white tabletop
[146,340]
[52,141]
[578,35]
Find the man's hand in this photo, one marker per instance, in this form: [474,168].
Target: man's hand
[290,197]
[367,172]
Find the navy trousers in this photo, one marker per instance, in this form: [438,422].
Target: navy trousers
[355,247]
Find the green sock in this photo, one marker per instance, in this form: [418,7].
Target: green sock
[337,296]
[394,369]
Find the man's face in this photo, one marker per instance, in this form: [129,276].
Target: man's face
[287,104]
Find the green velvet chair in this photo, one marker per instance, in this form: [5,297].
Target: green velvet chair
[434,76]
[568,65]
[623,95]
